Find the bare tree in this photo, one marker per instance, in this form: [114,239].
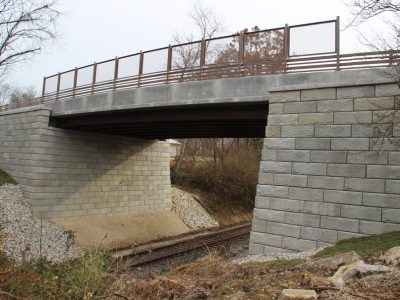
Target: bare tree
[22,94]
[5,91]
[188,56]
[208,25]
[25,26]
[364,10]
[12,95]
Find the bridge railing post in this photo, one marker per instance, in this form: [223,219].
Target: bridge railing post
[43,88]
[169,62]
[140,67]
[286,46]
[116,67]
[94,77]
[75,82]
[202,56]
[337,42]
[58,85]
[241,52]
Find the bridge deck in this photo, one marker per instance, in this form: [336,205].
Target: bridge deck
[197,121]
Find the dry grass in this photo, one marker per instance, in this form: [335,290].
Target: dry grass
[87,277]
[210,277]
[227,187]
[225,212]
[215,278]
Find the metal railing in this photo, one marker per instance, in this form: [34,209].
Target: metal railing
[311,47]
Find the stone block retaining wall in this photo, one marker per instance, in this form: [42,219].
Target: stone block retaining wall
[323,176]
[68,173]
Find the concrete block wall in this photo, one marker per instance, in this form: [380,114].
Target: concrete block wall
[68,173]
[323,175]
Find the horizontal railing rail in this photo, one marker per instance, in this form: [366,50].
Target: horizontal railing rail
[272,51]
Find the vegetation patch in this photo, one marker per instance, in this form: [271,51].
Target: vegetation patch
[84,278]
[211,277]
[5,178]
[226,182]
[365,246]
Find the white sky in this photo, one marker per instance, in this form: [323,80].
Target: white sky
[95,30]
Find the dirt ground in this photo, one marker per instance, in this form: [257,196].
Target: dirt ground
[214,278]
[123,230]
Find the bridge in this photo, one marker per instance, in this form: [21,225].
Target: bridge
[92,143]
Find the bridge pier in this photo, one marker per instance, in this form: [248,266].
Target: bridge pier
[67,173]
[323,176]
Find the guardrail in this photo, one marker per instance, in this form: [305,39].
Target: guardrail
[311,47]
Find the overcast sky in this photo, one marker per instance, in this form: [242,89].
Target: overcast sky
[95,30]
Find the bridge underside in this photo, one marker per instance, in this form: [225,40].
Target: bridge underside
[196,121]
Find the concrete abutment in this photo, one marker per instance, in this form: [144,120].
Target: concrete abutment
[68,173]
[324,176]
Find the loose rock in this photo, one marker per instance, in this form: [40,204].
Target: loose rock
[392,256]
[26,237]
[336,261]
[190,211]
[359,267]
[294,294]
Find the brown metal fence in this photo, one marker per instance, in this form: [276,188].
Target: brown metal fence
[308,47]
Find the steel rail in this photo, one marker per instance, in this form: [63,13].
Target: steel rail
[157,251]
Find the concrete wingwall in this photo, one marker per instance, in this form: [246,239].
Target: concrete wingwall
[323,176]
[68,173]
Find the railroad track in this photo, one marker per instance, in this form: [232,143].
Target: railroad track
[153,252]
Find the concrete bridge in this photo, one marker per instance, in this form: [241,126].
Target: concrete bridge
[324,173]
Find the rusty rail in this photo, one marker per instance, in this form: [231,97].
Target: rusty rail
[150,253]
[270,51]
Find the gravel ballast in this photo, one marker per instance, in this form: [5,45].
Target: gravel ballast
[25,236]
[190,211]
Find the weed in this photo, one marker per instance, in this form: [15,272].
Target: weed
[5,178]
[70,235]
[74,279]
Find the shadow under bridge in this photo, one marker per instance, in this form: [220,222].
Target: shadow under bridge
[238,119]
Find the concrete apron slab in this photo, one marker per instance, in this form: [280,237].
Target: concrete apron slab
[123,230]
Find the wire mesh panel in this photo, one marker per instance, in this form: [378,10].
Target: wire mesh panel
[105,71]
[316,38]
[186,62]
[155,61]
[51,84]
[264,52]
[186,56]
[67,80]
[222,51]
[128,66]
[85,76]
